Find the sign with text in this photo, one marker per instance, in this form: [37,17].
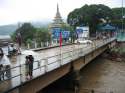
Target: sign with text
[56,33]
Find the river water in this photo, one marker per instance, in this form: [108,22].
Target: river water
[101,75]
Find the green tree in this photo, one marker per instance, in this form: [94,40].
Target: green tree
[90,15]
[117,19]
[27,32]
[42,35]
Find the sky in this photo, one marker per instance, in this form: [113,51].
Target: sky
[14,11]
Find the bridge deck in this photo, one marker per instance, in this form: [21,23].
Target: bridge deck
[46,61]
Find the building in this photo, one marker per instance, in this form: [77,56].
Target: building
[82,32]
[57,22]
[56,27]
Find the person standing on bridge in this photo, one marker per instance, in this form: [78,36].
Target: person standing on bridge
[31,60]
[27,67]
[1,72]
[19,42]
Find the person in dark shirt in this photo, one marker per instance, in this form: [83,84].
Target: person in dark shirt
[31,60]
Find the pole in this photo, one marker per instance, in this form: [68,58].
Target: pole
[122,16]
[60,42]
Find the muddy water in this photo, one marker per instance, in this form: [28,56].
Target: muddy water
[101,75]
[104,75]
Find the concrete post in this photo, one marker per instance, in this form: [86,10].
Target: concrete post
[35,45]
[28,46]
[41,44]
[46,65]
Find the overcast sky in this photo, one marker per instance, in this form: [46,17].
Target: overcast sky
[13,11]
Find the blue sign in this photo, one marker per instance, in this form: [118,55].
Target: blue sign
[56,33]
[79,31]
[65,34]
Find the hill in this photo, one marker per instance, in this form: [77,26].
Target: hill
[9,29]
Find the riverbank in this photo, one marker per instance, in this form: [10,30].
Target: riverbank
[117,53]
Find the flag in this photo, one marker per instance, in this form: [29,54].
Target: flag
[60,39]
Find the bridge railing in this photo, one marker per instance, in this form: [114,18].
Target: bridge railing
[17,75]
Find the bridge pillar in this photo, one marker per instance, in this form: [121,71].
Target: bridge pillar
[74,76]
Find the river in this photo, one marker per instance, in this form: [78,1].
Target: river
[101,75]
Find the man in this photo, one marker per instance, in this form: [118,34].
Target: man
[31,60]
[19,42]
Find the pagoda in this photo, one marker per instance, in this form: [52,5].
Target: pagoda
[57,22]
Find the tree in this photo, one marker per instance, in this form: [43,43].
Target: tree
[27,32]
[118,17]
[42,35]
[90,15]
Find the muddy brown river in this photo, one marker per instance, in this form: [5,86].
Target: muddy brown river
[101,75]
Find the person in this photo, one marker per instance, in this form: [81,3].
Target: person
[8,71]
[11,49]
[31,60]
[1,72]
[4,60]
[1,65]
[27,67]
[19,42]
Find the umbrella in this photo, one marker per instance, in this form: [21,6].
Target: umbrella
[5,60]
[29,52]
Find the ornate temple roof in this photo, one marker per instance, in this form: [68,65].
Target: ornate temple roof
[57,22]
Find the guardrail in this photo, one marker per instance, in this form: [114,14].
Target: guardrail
[42,66]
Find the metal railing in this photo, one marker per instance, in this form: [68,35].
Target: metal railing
[42,66]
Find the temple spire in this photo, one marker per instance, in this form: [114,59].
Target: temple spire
[57,22]
[58,13]
[57,8]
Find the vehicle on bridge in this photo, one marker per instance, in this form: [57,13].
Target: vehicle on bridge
[84,41]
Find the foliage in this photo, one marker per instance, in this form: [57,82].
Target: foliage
[117,12]
[29,34]
[42,35]
[117,19]
[90,15]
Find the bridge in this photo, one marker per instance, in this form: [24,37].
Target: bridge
[52,64]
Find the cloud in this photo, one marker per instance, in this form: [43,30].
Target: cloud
[12,11]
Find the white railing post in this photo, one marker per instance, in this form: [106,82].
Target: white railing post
[28,46]
[41,44]
[20,74]
[71,54]
[46,64]
[61,56]
[35,45]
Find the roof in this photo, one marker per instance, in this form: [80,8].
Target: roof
[107,27]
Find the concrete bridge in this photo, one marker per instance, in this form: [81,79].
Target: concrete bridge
[50,67]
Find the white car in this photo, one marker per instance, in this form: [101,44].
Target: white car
[85,42]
